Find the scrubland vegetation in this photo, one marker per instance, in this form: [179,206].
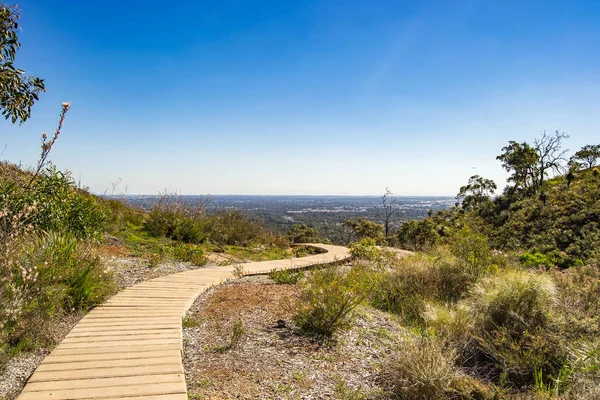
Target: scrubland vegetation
[52,235]
[501,299]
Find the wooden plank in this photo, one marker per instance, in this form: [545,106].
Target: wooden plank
[83,357]
[127,362]
[103,382]
[152,389]
[112,372]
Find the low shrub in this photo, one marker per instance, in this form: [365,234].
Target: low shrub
[422,369]
[454,322]
[516,300]
[474,253]
[329,298]
[191,253]
[516,335]
[366,249]
[174,218]
[304,251]
[416,280]
[286,276]
[237,334]
[578,300]
[45,277]
[49,203]
[536,259]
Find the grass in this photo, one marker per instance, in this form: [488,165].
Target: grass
[237,334]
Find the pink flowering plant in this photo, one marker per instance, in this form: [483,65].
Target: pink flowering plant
[48,265]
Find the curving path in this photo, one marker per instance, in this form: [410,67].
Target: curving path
[130,347]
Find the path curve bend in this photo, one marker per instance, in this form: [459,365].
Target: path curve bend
[130,347]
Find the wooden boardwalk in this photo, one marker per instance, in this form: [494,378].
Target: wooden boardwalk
[130,347]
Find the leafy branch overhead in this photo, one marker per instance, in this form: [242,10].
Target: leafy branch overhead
[18,91]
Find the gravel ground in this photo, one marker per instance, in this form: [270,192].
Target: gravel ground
[271,360]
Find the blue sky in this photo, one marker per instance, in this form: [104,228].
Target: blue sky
[304,97]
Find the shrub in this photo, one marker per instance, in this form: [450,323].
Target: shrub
[536,259]
[578,300]
[366,249]
[286,276]
[328,299]
[474,252]
[516,300]
[417,280]
[300,233]
[454,323]
[51,202]
[418,235]
[191,253]
[515,313]
[237,334]
[303,251]
[46,277]
[119,215]
[422,369]
[172,217]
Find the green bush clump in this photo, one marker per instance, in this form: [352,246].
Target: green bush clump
[418,235]
[366,249]
[49,266]
[417,280]
[191,253]
[304,251]
[536,259]
[48,203]
[474,252]
[515,312]
[515,299]
[286,276]
[328,299]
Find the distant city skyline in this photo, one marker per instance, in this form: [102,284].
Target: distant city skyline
[305,97]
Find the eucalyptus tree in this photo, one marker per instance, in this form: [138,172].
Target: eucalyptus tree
[18,91]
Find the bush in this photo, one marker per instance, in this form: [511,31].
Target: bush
[515,313]
[286,276]
[49,203]
[474,252]
[366,249]
[171,217]
[418,235]
[422,369]
[303,251]
[191,253]
[454,323]
[536,259]
[516,300]
[417,280]
[328,299]
[119,215]
[300,233]
[48,276]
